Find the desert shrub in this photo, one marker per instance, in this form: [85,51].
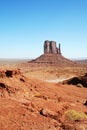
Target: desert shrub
[79,85]
[75,115]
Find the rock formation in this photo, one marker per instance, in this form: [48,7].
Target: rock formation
[50,47]
[80,81]
[52,56]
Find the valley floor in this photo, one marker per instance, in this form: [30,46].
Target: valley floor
[30,100]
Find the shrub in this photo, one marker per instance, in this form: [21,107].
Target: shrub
[75,115]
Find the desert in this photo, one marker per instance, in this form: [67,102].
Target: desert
[43,64]
[41,94]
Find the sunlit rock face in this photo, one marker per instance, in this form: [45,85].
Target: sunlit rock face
[51,47]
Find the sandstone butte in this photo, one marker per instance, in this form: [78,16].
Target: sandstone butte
[53,56]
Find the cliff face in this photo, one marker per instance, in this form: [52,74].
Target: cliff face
[50,47]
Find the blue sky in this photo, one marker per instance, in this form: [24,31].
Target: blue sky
[26,24]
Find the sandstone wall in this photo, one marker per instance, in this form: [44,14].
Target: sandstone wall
[50,47]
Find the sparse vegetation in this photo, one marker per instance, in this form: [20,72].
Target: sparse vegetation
[75,115]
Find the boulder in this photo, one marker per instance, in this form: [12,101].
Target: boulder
[49,113]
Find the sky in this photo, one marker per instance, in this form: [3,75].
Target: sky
[26,24]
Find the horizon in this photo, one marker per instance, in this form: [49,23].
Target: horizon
[27,59]
[25,25]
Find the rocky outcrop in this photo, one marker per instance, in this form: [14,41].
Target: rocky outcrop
[50,47]
[9,73]
[80,81]
[48,113]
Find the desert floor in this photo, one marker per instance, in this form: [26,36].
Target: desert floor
[32,97]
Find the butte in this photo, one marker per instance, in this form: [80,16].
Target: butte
[52,56]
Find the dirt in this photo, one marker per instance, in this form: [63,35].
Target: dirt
[28,102]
